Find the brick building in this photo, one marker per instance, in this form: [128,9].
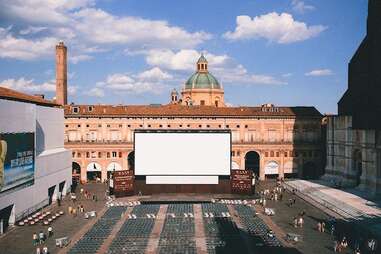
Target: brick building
[270,140]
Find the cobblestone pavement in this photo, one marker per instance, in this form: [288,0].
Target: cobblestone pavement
[312,240]
[19,239]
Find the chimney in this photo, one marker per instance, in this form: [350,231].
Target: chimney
[61,73]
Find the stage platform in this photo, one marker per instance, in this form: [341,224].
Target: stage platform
[169,198]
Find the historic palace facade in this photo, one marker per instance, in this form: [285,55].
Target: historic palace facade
[270,140]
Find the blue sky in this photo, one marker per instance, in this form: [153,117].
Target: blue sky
[286,52]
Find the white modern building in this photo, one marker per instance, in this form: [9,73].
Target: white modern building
[35,168]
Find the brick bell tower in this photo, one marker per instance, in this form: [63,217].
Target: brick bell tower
[61,73]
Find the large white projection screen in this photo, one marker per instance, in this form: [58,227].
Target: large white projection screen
[187,153]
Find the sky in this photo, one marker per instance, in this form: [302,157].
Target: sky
[285,52]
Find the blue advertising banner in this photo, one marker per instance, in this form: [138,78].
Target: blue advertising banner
[16,160]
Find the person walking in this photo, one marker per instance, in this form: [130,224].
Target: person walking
[50,231]
[323,227]
[45,250]
[38,250]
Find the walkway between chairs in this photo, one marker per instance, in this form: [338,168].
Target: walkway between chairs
[199,230]
[153,242]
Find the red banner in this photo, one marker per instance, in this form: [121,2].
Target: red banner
[241,181]
[123,183]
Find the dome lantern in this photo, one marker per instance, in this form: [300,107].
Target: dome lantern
[202,64]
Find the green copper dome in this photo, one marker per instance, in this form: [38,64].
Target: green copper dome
[202,80]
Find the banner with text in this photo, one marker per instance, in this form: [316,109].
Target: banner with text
[17,164]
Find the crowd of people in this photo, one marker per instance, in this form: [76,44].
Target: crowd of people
[344,238]
[39,240]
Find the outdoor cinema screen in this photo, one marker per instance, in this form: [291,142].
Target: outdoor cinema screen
[182,153]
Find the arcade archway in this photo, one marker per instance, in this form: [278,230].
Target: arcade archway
[76,169]
[131,160]
[75,173]
[94,172]
[357,165]
[252,162]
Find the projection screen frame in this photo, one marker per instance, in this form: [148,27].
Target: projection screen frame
[228,131]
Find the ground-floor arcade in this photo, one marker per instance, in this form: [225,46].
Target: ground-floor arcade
[265,160]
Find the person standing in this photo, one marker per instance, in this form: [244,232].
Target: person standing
[50,231]
[38,250]
[41,237]
[35,239]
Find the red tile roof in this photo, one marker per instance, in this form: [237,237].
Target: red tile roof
[6,93]
[187,111]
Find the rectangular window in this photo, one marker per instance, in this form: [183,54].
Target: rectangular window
[79,155]
[114,154]
[120,154]
[272,154]
[266,154]
[73,154]
[202,102]
[108,154]
[120,125]
[277,154]
[99,155]
[87,155]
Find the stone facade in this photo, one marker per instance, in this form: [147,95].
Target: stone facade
[353,137]
[353,155]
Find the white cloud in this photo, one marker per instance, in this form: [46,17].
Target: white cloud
[33,30]
[134,31]
[266,80]
[26,85]
[150,81]
[96,92]
[42,11]
[79,58]
[300,6]
[90,30]
[29,86]
[155,74]
[319,72]
[184,59]
[280,28]
[24,49]
[287,75]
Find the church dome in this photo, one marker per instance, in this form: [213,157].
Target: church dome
[202,80]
